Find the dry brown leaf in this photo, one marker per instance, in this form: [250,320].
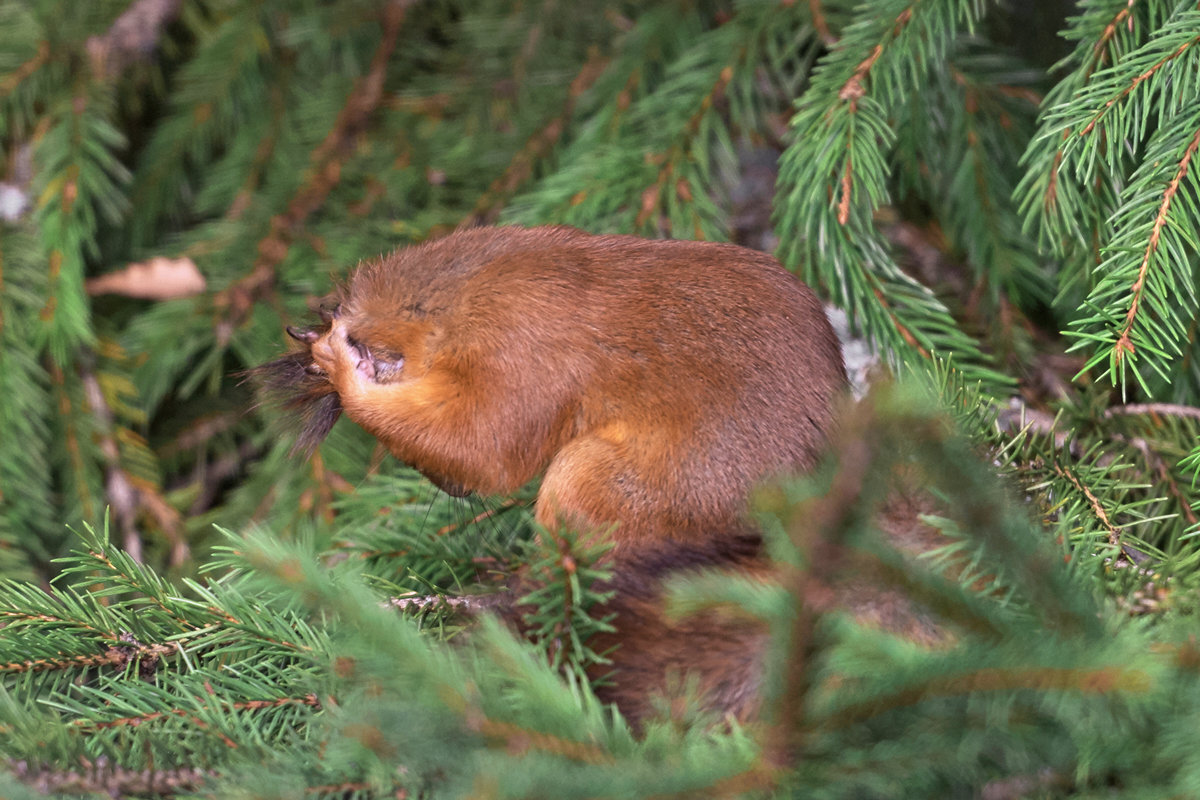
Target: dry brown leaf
[160,278]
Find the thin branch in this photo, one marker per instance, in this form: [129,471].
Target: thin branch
[103,778]
[122,496]
[487,208]
[1100,48]
[820,23]
[309,700]
[1114,533]
[653,193]
[1106,680]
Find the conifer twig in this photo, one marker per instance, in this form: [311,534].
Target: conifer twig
[1124,342]
[1137,81]
[1114,533]
[119,490]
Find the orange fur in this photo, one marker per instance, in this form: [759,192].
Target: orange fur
[654,382]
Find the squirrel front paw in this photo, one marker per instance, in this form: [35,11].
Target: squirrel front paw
[347,363]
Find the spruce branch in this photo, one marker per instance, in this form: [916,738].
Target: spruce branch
[1144,302]
[1095,120]
[80,465]
[80,178]
[652,159]
[26,473]
[957,148]
[116,656]
[222,77]
[1102,680]
[834,175]
[559,613]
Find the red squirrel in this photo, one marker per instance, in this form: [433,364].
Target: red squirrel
[652,383]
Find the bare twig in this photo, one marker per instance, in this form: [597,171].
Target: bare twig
[1154,409]
[132,37]
[101,777]
[119,490]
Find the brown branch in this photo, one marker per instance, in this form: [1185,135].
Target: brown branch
[1099,54]
[1051,196]
[1156,462]
[1099,50]
[325,165]
[127,494]
[14,78]
[436,601]
[262,156]
[487,208]
[852,90]
[209,475]
[243,705]
[521,740]
[820,23]
[817,530]
[843,215]
[1099,680]
[121,495]
[73,446]
[117,656]
[901,328]
[1124,343]
[480,517]
[854,87]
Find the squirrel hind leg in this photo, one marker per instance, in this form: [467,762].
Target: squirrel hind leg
[635,482]
[591,485]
